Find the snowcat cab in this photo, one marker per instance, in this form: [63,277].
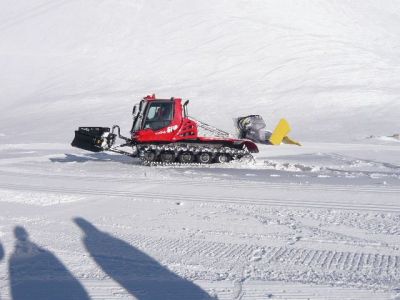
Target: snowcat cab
[152,114]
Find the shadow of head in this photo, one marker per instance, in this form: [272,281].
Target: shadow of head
[21,234]
[86,226]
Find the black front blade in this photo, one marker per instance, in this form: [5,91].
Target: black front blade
[90,138]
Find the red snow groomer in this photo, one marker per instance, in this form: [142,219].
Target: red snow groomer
[162,131]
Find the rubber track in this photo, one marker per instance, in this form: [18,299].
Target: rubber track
[194,149]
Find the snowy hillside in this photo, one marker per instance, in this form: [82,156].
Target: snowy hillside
[321,221]
[326,66]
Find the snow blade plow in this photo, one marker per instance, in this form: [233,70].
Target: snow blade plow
[91,138]
[162,131]
[252,127]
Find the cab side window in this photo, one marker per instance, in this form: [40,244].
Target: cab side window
[159,115]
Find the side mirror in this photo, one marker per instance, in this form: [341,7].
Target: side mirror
[134,111]
[185,110]
[141,105]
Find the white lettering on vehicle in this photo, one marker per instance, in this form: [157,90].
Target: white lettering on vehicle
[168,130]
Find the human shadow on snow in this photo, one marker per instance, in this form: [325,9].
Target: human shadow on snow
[142,276]
[1,252]
[36,273]
[1,255]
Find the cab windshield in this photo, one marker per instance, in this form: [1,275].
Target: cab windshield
[159,115]
[137,118]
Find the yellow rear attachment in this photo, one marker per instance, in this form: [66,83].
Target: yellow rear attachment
[280,134]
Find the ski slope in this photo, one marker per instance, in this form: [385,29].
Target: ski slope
[314,63]
[319,221]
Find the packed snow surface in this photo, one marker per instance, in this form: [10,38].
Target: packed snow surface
[321,221]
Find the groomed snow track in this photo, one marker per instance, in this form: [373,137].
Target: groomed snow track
[301,240]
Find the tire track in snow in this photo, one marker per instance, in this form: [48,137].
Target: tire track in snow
[222,183]
[204,259]
[286,202]
[102,289]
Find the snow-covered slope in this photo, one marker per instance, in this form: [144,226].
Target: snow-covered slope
[330,67]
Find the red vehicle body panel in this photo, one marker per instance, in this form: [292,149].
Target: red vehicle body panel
[183,129]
